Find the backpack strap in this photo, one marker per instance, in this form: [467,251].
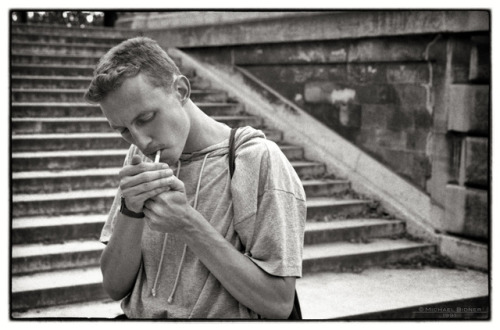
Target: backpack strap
[296,312]
[231,152]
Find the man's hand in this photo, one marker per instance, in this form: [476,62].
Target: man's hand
[141,181]
[167,212]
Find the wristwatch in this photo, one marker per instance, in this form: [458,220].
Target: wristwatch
[127,212]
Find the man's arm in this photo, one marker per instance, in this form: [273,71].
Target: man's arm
[267,295]
[121,258]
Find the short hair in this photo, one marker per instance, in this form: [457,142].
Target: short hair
[128,59]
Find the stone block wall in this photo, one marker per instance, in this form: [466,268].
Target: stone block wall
[376,92]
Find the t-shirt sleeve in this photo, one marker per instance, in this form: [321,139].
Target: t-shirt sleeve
[270,209]
[107,229]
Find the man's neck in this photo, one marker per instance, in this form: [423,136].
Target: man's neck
[204,131]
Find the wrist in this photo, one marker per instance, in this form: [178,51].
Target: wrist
[193,226]
[124,210]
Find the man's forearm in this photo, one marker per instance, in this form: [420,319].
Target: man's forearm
[269,296]
[121,258]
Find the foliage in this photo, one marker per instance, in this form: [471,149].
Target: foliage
[68,18]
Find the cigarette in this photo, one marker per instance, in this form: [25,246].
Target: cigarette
[157,157]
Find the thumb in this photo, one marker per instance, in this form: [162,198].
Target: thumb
[136,160]
[175,184]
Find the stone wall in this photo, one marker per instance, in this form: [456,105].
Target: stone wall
[377,93]
[410,88]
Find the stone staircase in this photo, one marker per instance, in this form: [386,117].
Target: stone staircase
[65,161]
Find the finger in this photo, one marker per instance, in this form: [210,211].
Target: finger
[150,176]
[148,206]
[136,160]
[175,184]
[131,170]
[145,186]
[152,193]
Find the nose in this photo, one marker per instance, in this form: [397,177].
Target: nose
[140,138]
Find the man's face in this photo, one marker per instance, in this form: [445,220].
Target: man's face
[148,117]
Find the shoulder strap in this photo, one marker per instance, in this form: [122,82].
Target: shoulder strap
[231,152]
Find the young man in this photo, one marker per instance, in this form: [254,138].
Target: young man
[184,239]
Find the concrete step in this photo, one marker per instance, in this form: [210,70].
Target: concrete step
[39,257]
[100,309]
[52,70]
[105,176]
[65,59]
[62,82]
[105,158]
[99,201]
[34,58]
[307,169]
[112,154]
[342,256]
[56,288]
[59,109]
[70,70]
[327,295]
[72,109]
[335,208]
[82,141]
[30,257]
[76,95]
[63,203]
[34,125]
[53,48]
[36,290]
[52,82]
[398,293]
[29,230]
[351,230]
[67,160]
[37,182]
[61,142]
[64,30]
[54,37]
[325,187]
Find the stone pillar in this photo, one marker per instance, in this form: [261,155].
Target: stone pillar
[467,192]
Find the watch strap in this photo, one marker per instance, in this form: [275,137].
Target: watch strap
[127,212]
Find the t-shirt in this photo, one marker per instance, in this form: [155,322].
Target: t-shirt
[261,211]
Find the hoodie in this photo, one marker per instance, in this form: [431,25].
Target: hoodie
[261,211]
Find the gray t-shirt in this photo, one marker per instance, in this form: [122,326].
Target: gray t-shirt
[261,211]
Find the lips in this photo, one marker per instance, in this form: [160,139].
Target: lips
[151,153]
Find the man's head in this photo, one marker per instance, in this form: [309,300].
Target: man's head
[128,59]
[142,94]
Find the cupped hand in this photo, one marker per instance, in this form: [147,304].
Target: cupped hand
[140,181]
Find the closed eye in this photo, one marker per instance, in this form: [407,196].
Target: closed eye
[145,119]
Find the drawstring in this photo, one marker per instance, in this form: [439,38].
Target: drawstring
[195,205]
[153,290]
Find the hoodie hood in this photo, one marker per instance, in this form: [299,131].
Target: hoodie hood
[243,134]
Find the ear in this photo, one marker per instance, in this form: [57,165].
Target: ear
[182,88]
